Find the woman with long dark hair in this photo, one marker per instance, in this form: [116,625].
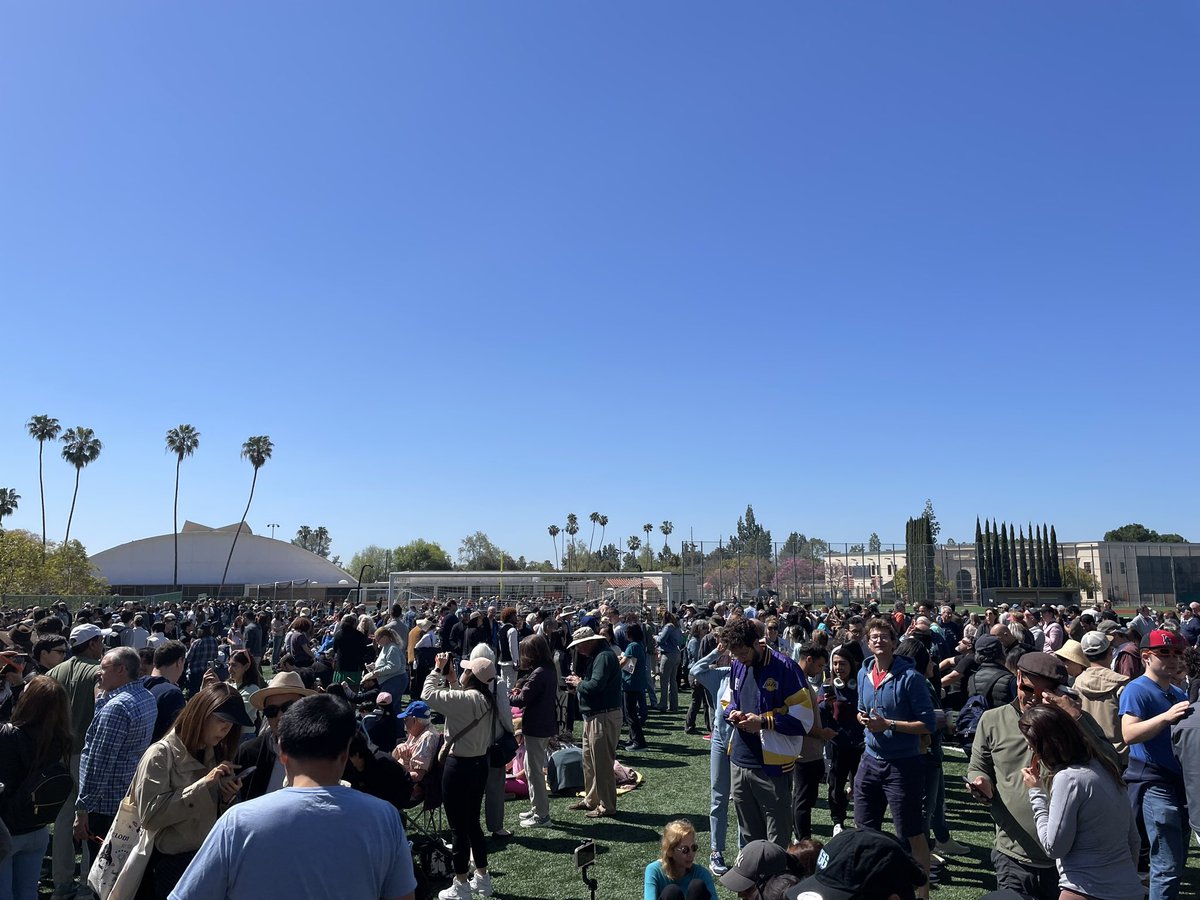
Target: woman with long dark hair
[186,780]
[38,733]
[1085,824]
[246,677]
[470,710]
[537,694]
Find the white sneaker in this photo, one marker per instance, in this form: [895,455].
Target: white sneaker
[952,848]
[458,890]
[838,829]
[529,814]
[481,883]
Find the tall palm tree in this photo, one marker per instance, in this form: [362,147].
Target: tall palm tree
[595,519]
[648,528]
[42,429]
[181,441]
[9,499]
[80,447]
[603,524]
[571,529]
[634,543]
[258,451]
[554,530]
[666,528]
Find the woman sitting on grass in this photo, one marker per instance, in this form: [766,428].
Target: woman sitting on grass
[676,875]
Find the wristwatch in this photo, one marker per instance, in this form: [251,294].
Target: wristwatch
[891,726]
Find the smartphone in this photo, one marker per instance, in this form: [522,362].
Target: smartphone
[246,773]
[975,792]
[585,854]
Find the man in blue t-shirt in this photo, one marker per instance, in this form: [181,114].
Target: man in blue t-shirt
[361,834]
[1150,705]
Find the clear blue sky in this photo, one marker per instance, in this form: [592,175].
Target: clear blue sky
[478,265]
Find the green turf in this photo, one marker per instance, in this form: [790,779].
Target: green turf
[536,863]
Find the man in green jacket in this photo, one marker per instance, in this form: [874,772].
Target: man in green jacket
[994,775]
[77,675]
[599,693]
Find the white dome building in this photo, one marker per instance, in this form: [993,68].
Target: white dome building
[259,564]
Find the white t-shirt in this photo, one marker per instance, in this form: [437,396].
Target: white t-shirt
[255,849]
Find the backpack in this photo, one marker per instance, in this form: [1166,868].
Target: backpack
[564,770]
[977,703]
[35,802]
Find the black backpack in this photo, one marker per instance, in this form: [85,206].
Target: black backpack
[978,702]
[35,802]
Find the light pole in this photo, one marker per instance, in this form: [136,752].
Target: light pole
[273,526]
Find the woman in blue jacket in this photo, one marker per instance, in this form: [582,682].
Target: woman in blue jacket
[676,875]
[634,681]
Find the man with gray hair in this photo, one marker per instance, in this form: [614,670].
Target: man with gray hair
[115,741]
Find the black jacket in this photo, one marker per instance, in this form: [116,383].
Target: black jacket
[259,752]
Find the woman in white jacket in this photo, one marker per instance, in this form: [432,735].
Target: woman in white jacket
[390,670]
[472,720]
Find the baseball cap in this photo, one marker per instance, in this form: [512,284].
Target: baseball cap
[989,647]
[1108,626]
[233,710]
[1094,644]
[418,709]
[81,634]
[1160,638]
[861,865]
[756,862]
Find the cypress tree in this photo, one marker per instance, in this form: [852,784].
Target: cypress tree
[1041,558]
[1005,568]
[1049,576]
[1034,580]
[1055,567]
[1012,557]
[987,554]
[981,581]
[997,569]
[1024,559]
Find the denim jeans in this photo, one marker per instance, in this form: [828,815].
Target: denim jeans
[1167,830]
[19,873]
[718,813]
[935,802]
[396,686]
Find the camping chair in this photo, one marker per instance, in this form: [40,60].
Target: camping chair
[424,823]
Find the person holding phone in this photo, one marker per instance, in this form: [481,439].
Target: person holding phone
[1084,821]
[186,780]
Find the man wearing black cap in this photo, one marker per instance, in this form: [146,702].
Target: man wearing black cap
[862,865]
[999,754]
[757,863]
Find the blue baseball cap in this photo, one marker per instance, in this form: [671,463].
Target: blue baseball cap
[418,709]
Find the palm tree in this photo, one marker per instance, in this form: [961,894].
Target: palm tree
[181,441]
[572,529]
[666,528]
[603,524]
[553,530]
[42,429]
[595,519]
[258,451]
[648,528]
[634,543]
[9,499]
[80,447]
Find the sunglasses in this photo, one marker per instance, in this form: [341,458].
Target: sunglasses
[1169,654]
[270,710]
[688,848]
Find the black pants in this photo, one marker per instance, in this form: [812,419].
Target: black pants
[1029,881]
[807,778]
[163,872]
[633,716]
[843,763]
[699,702]
[697,890]
[464,780]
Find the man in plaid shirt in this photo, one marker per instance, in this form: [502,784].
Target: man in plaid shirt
[202,651]
[116,739]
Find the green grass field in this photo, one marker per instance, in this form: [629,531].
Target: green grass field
[536,864]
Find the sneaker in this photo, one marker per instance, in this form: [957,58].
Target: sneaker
[838,829]
[535,822]
[458,890]
[716,863]
[936,861]
[952,848]
[529,814]
[481,883]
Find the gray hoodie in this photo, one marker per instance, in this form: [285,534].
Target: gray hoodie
[1099,690]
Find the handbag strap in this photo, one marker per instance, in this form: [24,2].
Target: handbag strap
[450,742]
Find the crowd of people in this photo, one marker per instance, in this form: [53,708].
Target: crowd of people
[1075,724]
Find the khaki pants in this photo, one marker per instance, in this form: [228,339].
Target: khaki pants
[535,774]
[600,735]
[62,854]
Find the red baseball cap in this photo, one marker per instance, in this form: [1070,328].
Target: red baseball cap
[1161,638]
